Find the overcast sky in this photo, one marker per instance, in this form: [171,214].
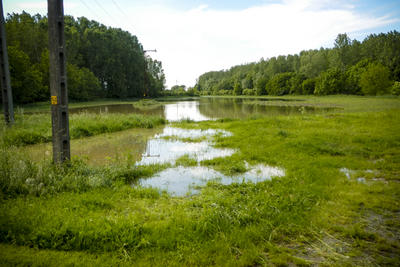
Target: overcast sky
[196,36]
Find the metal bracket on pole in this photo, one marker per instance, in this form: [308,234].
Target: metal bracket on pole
[58,82]
[5,73]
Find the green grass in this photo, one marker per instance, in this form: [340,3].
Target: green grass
[146,104]
[313,215]
[36,128]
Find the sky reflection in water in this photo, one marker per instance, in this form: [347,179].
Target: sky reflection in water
[180,181]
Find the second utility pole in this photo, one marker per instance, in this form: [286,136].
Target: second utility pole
[58,82]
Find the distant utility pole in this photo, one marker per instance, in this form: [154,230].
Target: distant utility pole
[58,82]
[5,73]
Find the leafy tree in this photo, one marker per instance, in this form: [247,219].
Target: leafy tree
[325,71]
[279,84]
[396,88]
[313,62]
[375,80]
[353,75]
[237,89]
[329,82]
[296,83]
[342,51]
[308,86]
[113,56]
[82,83]
[260,85]
[249,92]
[26,79]
[247,82]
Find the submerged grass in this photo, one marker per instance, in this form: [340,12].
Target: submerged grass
[313,215]
[36,128]
[146,104]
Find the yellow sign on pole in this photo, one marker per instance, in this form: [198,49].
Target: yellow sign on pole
[54,100]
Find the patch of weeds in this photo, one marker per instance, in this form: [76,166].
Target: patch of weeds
[36,128]
[96,204]
[185,139]
[186,161]
[129,174]
[146,104]
[226,165]
[283,133]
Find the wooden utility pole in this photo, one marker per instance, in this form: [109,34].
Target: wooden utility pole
[5,73]
[58,82]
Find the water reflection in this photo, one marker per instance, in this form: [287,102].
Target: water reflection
[184,110]
[238,108]
[158,146]
[209,108]
[163,150]
[181,181]
[120,108]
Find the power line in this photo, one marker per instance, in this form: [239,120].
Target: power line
[84,3]
[105,11]
[120,9]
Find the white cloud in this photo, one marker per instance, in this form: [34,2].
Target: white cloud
[192,42]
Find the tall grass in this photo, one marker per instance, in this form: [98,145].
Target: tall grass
[19,175]
[313,215]
[36,128]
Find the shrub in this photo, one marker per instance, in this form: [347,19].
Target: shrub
[396,88]
[375,80]
[249,92]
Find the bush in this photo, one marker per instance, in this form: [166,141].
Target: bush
[279,84]
[82,83]
[237,89]
[396,88]
[225,92]
[249,92]
[308,86]
[330,82]
[375,80]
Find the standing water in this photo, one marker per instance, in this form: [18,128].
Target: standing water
[169,144]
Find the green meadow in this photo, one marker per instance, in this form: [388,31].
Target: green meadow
[337,205]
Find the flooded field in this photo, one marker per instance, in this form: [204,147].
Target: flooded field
[169,144]
[210,108]
[181,181]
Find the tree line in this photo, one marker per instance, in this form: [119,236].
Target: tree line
[102,62]
[370,67]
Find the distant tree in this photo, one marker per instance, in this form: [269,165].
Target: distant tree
[325,71]
[353,75]
[260,85]
[114,56]
[342,52]
[237,89]
[26,79]
[296,83]
[396,88]
[308,86]
[329,82]
[83,85]
[279,84]
[247,82]
[249,92]
[313,62]
[375,80]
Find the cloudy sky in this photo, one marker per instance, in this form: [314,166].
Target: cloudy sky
[196,36]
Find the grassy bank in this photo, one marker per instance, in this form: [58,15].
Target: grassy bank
[321,212]
[36,128]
